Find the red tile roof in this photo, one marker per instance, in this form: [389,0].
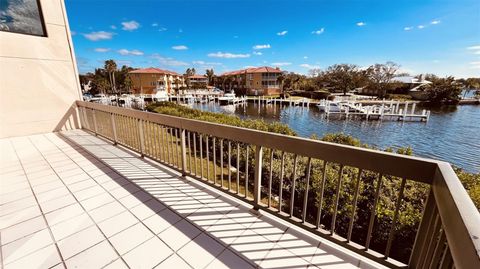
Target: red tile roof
[153,70]
[263,69]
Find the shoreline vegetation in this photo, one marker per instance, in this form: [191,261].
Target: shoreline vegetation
[412,204]
[377,80]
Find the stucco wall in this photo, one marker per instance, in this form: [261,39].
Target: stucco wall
[38,77]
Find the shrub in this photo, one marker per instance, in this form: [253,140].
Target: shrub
[173,109]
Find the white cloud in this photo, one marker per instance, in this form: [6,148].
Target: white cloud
[361,24]
[408,28]
[166,61]
[475,65]
[474,47]
[282,33]
[124,62]
[161,29]
[319,31]
[227,55]
[101,49]
[259,47]
[180,47]
[130,52]
[130,25]
[305,57]
[421,26]
[113,27]
[205,63]
[435,22]
[154,24]
[100,35]
[309,66]
[257,53]
[281,64]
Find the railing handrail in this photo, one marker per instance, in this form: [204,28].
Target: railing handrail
[462,228]
[460,219]
[420,169]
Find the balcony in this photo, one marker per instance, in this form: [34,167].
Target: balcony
[145,190]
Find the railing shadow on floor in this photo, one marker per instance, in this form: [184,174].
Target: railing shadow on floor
[198,215]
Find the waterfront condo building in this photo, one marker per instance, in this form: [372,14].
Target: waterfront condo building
[252,81]
[197,81]
[149,80]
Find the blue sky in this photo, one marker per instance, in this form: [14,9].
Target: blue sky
[441,37]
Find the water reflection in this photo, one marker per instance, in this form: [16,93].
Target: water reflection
[451,134]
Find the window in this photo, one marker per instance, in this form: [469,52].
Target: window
[22,16]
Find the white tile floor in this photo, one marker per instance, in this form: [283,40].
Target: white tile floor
[75,200]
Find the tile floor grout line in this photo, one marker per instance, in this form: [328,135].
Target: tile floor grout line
[40,208]
[90,217]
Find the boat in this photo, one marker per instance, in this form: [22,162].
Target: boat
[160,96]
[227,98]
[329,106]
[98,97]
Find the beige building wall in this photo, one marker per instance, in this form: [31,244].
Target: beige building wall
[38,76]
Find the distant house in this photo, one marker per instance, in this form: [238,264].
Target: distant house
[149,80]
[198,81]
[252,81]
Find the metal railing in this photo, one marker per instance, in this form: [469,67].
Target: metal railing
[331,190]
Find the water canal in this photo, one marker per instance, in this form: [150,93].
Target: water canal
[452,133]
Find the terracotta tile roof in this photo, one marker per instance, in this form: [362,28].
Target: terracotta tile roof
[263,69]
[153,70]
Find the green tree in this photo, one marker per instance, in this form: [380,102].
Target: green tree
[99,83]
[111,67]
[280,80]
[380,76]
[210,74]
[443,90]
[123,80]
[345,77]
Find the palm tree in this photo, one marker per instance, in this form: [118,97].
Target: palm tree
[111,67]
[209,73]
[177,83]
[280,80]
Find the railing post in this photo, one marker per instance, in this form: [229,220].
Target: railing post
[142,137]
[95,129]
[184,151]
[257,183]
[114,128]
[84,118]
[422,237]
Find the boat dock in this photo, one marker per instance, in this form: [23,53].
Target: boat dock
[396,111]
[367,110]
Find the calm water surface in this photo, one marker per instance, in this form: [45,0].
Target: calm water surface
[452,134]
